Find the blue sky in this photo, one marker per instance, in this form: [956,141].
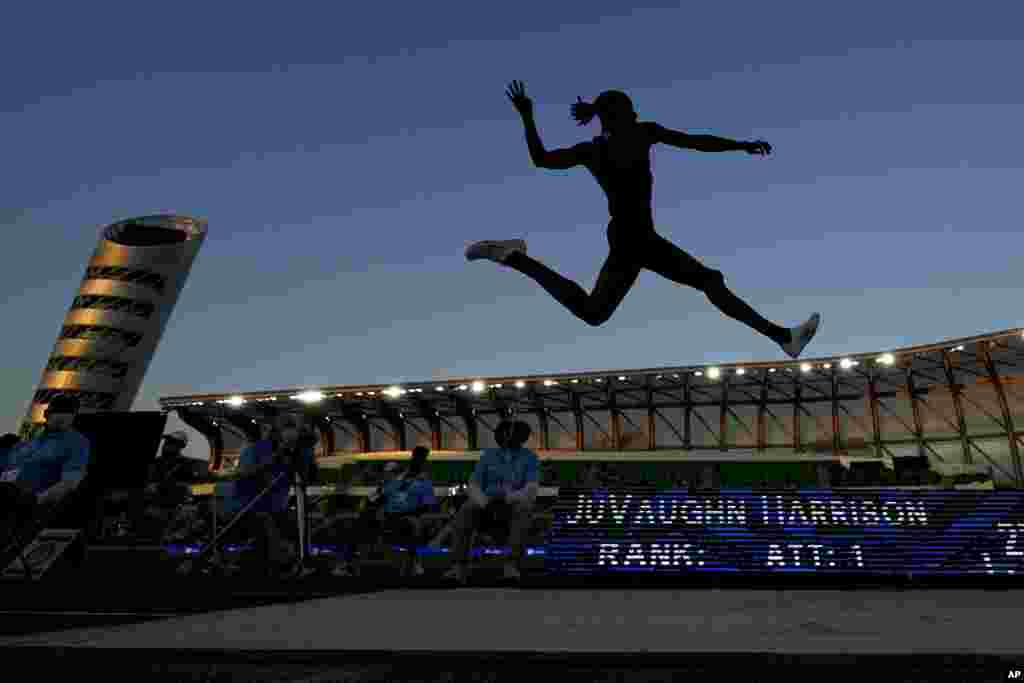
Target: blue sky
[345,158]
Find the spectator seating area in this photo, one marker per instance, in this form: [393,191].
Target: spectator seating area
[340,490]
[336,500]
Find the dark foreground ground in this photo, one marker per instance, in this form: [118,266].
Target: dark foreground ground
[122,621]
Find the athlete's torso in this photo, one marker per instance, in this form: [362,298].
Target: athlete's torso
[621,164]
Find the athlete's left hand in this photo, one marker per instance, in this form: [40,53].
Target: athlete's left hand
[757,147]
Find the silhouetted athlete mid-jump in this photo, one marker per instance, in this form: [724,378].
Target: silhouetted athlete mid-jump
[620,161]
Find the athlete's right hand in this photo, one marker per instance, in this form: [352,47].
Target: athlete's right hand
[517,93]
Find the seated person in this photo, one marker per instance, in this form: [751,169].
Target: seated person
[367,505]
[503,488]
[395,507]
[39,475]
[171,474]
[7,442]
[168,483]
[281,450]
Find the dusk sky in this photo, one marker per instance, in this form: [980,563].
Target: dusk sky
[346,155]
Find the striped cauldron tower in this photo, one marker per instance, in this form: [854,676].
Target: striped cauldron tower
[115,323]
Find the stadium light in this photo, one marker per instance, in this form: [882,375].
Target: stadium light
[497,386]
[827,366]
[740,371]
[622,378]
[236,401]
[462,387]
[520,384]
[478,387]
[548,383]
[886,359]
[598,380]
[575,381]
[440,388]
[699,373]
[806,367]
[846,363]
[309,396]
[713,373]
[771,369]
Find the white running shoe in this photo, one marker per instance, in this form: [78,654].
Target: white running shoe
[494,250]
[802,335]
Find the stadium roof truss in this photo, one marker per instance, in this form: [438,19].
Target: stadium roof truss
[959,401]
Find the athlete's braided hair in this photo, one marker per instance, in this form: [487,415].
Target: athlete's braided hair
[583,112]
[607,102]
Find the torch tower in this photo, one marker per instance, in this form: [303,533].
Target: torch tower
[118,316]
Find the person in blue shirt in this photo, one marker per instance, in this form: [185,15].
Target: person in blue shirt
[504,488]
[282,448]
[396,507]
[39,475]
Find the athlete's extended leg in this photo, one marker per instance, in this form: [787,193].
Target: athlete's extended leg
[617,277]
[669,261]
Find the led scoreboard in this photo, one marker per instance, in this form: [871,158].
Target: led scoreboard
[865,531]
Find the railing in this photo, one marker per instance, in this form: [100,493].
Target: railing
[357,491]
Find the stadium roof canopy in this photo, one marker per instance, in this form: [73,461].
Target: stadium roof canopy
[752,405]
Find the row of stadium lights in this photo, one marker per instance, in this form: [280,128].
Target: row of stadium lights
[479,387]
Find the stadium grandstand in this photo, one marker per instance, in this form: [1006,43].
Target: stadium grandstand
[955,408]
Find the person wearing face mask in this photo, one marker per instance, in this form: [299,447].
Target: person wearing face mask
[504,488]
[40,476]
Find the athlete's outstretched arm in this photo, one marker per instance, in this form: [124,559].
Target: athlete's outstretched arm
[524,105]
[537,151]
[541,158]
[707,143]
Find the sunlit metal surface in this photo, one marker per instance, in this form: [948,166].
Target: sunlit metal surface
[130,287]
